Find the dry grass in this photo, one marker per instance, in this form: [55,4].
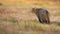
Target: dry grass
[13,26]
[16,17]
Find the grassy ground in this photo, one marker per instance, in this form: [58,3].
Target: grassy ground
[16,17]
[13,26]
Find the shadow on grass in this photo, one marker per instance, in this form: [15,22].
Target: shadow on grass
[56,23]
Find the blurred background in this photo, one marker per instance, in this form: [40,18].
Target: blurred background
[16,17]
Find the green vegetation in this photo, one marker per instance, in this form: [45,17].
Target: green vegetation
[11,19]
